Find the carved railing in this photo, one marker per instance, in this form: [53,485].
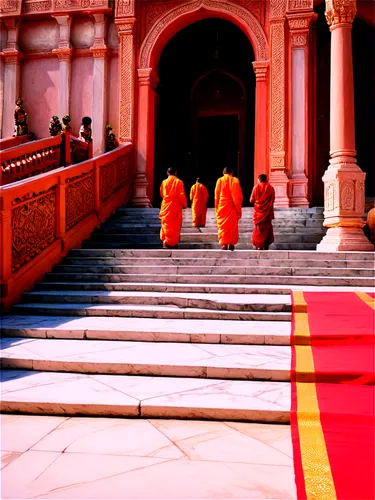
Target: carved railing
[42,218]
[11,142]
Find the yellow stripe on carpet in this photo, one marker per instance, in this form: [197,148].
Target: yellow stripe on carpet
[367,299]
[315,462]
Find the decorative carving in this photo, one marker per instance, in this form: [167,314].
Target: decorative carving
[299,40]
[261,69]
[347,195]
[360,197]
[255,30]
[278,160]
[64,54]
[79,198]
[126,81]
[113,176]
[329,197]
[31,6]
[340,11]
[10,7]
[124,8]
[20,119]
[33,225]
[36,6]
[298,23]
[277,9]
[55,127]
[301,4]
[277,86]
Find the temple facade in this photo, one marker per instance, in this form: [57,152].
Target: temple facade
[201,84]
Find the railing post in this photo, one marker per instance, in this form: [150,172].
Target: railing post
[5,245]
[61,211]
[97,188]
[66,149]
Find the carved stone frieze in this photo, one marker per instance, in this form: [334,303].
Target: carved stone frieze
[10,7]
[255,29]
[300,5]
[33,225]
[124,8]
[34,6]
[299,40]
[79,198]
[30,6]
[340,11]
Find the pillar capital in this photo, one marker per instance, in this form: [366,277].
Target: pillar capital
[147,78]
[125,26]
[13,25]
[11,56]
[64,23]
[261,70]
[340,12]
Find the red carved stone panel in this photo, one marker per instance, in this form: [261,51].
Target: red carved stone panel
[114,176]
[31,6]
[10,7]
[33,225]
[79,198]
[124,8]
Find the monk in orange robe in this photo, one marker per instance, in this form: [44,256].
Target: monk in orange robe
[228,208]
[199,197]
[263,198]
[174,200]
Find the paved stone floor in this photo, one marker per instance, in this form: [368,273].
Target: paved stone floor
[89,458]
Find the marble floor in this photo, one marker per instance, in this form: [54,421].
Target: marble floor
[91,458]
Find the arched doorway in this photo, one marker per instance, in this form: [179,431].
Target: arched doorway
[204,116]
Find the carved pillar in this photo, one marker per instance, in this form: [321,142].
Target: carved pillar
[261,100]
[278,177]
[64,54]
[299,110]
[12,57]
[343,180]
[145,140]
[99,92]
[125,30]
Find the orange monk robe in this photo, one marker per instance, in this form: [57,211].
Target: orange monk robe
[199,197]
[263,197]
[228,208]
[174,199]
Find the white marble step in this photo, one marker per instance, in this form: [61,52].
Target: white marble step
[219,254]
[146,311]
[223,361]
[190,288]
[147,397]
[149,329]
[224,302]
[291,281]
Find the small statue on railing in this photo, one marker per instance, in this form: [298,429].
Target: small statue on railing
[85,132]
[111,142]
[55,126]
[66,124]
[20,119]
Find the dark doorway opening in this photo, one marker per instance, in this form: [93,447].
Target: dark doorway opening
[217,145]
[206,106]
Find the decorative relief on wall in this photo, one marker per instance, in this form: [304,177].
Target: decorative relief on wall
[36,6]
[79,198]
[107,180]
[123,171]
[277,86]
[10,7]
[30,6]
[299,23]
[300,4]
[256,32]
[124,8]
[277,9]
[33,225]
[340,11]
[347,195]
[360,197]
[329,197]
[299,40]
[126,81]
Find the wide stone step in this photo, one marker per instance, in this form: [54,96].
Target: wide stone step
[287,210]
[222,302]
[212,230]
[219,254]
[216,270]
[144,397]
[236,362]
[212,279]
[281,289]
[148,329]
[180,262]
[145,311]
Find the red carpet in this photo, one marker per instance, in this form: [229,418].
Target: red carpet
[333,395]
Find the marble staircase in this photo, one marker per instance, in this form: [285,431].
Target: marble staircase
[188,333]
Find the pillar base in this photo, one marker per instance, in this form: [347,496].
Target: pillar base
[140,198]
[345,239]
[298,193]
[279,181]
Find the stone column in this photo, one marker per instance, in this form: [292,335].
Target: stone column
[12,57]
[125,28]
[261,129]
[145,140]
[64,54]
[299,107]
[343,180]
[278,177]
[99,92]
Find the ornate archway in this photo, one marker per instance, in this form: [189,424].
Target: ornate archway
[162,31]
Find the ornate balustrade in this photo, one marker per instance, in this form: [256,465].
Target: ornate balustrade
[42,218]
[11,142]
